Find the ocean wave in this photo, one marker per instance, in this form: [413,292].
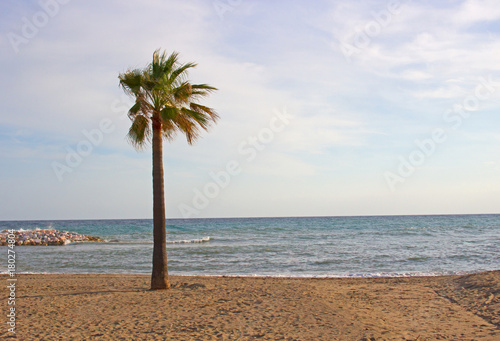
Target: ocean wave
[30,230]
[183,241]
[30,273]
[189,241]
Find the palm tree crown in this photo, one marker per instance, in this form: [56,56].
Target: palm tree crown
[162,90]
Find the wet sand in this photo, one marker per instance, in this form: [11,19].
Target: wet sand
[120,307]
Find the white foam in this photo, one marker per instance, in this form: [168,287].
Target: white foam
[190,241]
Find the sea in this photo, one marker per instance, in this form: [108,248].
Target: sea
[364,246]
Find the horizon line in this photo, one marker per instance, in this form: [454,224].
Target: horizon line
[265,217]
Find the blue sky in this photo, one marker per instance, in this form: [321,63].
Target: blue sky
[327,108]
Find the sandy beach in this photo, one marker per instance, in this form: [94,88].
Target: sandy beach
[120,307]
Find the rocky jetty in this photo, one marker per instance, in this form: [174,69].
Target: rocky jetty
[46,237]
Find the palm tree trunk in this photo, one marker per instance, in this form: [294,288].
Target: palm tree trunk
[159,277]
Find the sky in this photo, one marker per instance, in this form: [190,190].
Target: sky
[327,108]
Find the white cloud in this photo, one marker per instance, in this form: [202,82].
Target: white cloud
[280,165]
[416,75]
[452,91]
[473,11]
[315,133]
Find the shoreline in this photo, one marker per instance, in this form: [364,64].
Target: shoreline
[408,274]
[119,306]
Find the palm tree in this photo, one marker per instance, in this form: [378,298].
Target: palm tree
[165,103]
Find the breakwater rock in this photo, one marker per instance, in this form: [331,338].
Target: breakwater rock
[46,237]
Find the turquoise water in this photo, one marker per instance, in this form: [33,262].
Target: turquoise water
[309,246]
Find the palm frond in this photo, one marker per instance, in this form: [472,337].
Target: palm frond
[183,92]
[201,90]
[204,110]
[139,133]
[169,114]
[135,109]
[204,87]
[180,72]
[193,116]
[185,124]
[162,65]
[131,81]
[169,130]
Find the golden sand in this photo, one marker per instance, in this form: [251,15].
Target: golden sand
[120,307]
